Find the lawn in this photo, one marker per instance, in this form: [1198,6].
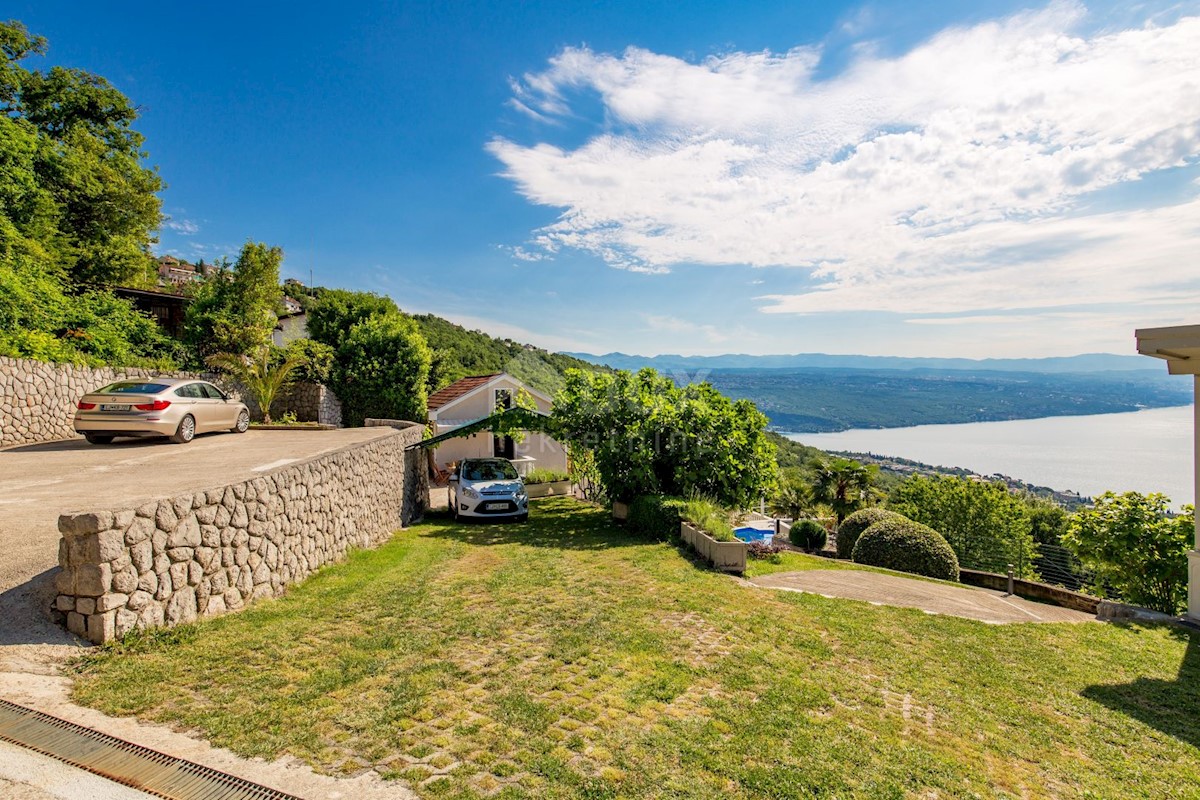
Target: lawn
[564,659]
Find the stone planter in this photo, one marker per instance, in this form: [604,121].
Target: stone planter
[620,511]
[549,489]
[725,556]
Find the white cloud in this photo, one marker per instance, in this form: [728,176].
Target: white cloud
[710,333]
[184,227]
[952,178]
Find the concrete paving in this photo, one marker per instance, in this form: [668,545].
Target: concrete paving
[27,775]
[969,602]
[38,482]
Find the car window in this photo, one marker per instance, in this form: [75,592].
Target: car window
[489,471]
[190,390]
[211,391]
[134,387]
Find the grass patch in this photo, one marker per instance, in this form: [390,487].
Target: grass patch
[562,658]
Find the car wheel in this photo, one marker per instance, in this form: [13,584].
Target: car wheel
[186,430]
[97,438]
[243,422]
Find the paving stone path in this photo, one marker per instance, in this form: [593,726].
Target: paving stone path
[970,602]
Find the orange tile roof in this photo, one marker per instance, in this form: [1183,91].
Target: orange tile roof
[457,389]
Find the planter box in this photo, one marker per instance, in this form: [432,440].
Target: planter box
[620,511]
[551,489]
[725,556]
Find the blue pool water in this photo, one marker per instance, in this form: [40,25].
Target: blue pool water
[754,535]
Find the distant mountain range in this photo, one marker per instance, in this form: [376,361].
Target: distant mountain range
[1088,362]
[816,392]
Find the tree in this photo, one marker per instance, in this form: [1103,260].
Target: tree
[842,483]
[793,500]
[381,370]
[331,316]
[87,163]
[263,376]
[1136,548]
[648,436]
[233,311]
[987,526]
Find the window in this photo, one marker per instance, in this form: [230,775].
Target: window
[190,390]
[210,391]
[134,387]
[504,399]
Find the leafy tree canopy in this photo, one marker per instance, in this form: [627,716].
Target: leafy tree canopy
[1136,548]
[335,311]
[233,311]
[381,370]
[987,525]
[649,436]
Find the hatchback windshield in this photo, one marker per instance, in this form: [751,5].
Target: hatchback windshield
[133,387]
[489,471]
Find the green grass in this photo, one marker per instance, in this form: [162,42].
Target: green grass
[564,659]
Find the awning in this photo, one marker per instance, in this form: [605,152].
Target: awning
[508,420]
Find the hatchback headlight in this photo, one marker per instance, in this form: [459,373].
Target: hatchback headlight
[471,493]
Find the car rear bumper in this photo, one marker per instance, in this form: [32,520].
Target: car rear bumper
[125,427]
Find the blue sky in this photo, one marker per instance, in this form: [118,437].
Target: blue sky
[882,178]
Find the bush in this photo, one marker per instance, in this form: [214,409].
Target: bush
[655,516]
[546,476]
[808,534]
[907,546]
[764,551]
[710,517]
[314,360]
[853,526]
[381,370]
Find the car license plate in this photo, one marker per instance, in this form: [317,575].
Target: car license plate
[114,407]
[495,506]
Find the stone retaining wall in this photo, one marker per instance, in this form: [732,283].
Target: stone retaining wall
[310,402]
[1031,590]
[172,560]
[37,399]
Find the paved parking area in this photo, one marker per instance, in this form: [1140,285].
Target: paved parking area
[40,481]
[970,602]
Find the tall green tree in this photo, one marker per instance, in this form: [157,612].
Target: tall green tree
[233,311]
[648,436]
[88,161]
[1136,548]
[335,311]
[843,484]
[987,525]
[381,370]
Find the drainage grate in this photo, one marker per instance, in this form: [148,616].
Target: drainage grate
[124,762]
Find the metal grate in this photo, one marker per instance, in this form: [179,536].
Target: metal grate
[124,762]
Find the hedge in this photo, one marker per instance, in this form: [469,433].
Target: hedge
[655,516]
[853,526]
[907,546]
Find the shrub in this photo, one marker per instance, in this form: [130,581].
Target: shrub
[381,370]
[709,517]
[853,526]
[808,534]
[546,476]
[907,546]
[764,551]
[655,516]
[314,360]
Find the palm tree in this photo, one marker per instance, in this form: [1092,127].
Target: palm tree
[793,500]
[844,484]
[262,379]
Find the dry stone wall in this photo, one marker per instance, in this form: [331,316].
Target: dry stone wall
[310,402]
[172,560]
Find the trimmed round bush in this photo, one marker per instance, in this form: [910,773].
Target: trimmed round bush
[853,526]
[808,534]
[907,546]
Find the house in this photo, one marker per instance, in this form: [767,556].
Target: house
[478,396]
[174,271]
[168,310]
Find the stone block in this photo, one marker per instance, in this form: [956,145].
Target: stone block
[110,543]
[125,622]
[64,603]
[181,608]
[142,556]
[186,532]
[177,554]
[195,573]
[82,549]
[77,623]
[148,582]
[111,601]
[122,519]
[139,600]
[85,523]
[139,530]
[179,575]
[92,580]
[165,518]
[102,628]
[206,514]
[64,581]
[126,580]
[214,606]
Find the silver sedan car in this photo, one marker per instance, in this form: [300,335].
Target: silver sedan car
[178,408]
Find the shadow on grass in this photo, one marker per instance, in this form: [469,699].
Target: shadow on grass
[557,523]
[1169,706]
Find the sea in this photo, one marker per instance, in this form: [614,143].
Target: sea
[1143,451]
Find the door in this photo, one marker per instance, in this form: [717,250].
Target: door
[224,410]
[504,447]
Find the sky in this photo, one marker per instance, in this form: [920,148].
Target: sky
[986,179]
